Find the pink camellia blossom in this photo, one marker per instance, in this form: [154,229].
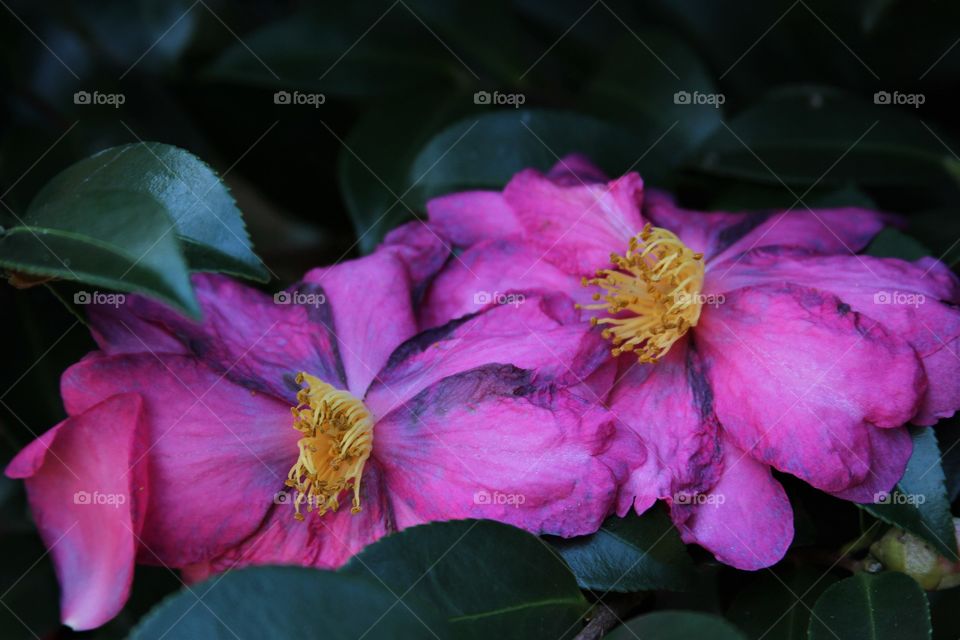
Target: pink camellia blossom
[180,448]
[741,341]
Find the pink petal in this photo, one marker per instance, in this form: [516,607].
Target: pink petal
[372,305]
[258,340]
[745,520]
[542,334]
[499,443]
[799,379]
[324,542]
[576,169]
[576,227]
[890,450]
[915,301]
[669,407]
[87,489]
[420,248]
[490,271]
[472,216]
[217,455]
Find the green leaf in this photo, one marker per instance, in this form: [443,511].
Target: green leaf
[489,579]
[805,136]
[112,239]
[636,553]
[287,602]
[886,606]
[373,165]
[207,221]
[920,504]
[676,625]
[777,605]
[484,152]
[891,243]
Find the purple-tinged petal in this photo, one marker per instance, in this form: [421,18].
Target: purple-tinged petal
[745,520]
[576,169]
[217,452]
[87,489]
[890,450]
[256,339]
[466,218]
[669,406]
[708,232]
[576,227]
[324,542]
[372,312]
[542,334]
[491,271]
[914,301]
[420,248]
[799,379]
[497,443]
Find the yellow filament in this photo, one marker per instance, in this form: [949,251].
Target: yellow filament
[337,439]
[652,294]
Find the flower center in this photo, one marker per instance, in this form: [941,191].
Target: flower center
[652,294]
[337,439]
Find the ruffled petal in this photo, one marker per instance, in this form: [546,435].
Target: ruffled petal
[745,520]
[799,379]
[542,334]
[498,442]
[87,487]
[254,338]
[217,455]
[669,406]
[372,312]
[492,271]
[420,248]
[915,301]
[890,451]
[466,218]
[576,227]
[576,169]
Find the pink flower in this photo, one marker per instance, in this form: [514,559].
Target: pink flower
[765,340]
[180,448]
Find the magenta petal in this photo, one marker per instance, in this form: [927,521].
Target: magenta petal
[217,453]
[576,169]
[890,450]
[466,218]
[542,334]
[324,542]
[669,407]
[87,489]
[576,227]
[258,340]
[495,442]
[372,307]
[915,301]
[799,380]
[419,247]
[488,272]
[745,520]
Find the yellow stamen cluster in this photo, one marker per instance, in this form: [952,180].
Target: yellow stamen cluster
[337,439]
[652,294]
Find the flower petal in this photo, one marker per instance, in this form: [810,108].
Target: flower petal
[87,489]
[496,442]
[576,169]
[799,379]
[420,248]
[669,406]
[890,450]
[491,271]
[915,301]
[469,217]
[745,520]
[218,452]
[256,339]
[576,227]
[372,311]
